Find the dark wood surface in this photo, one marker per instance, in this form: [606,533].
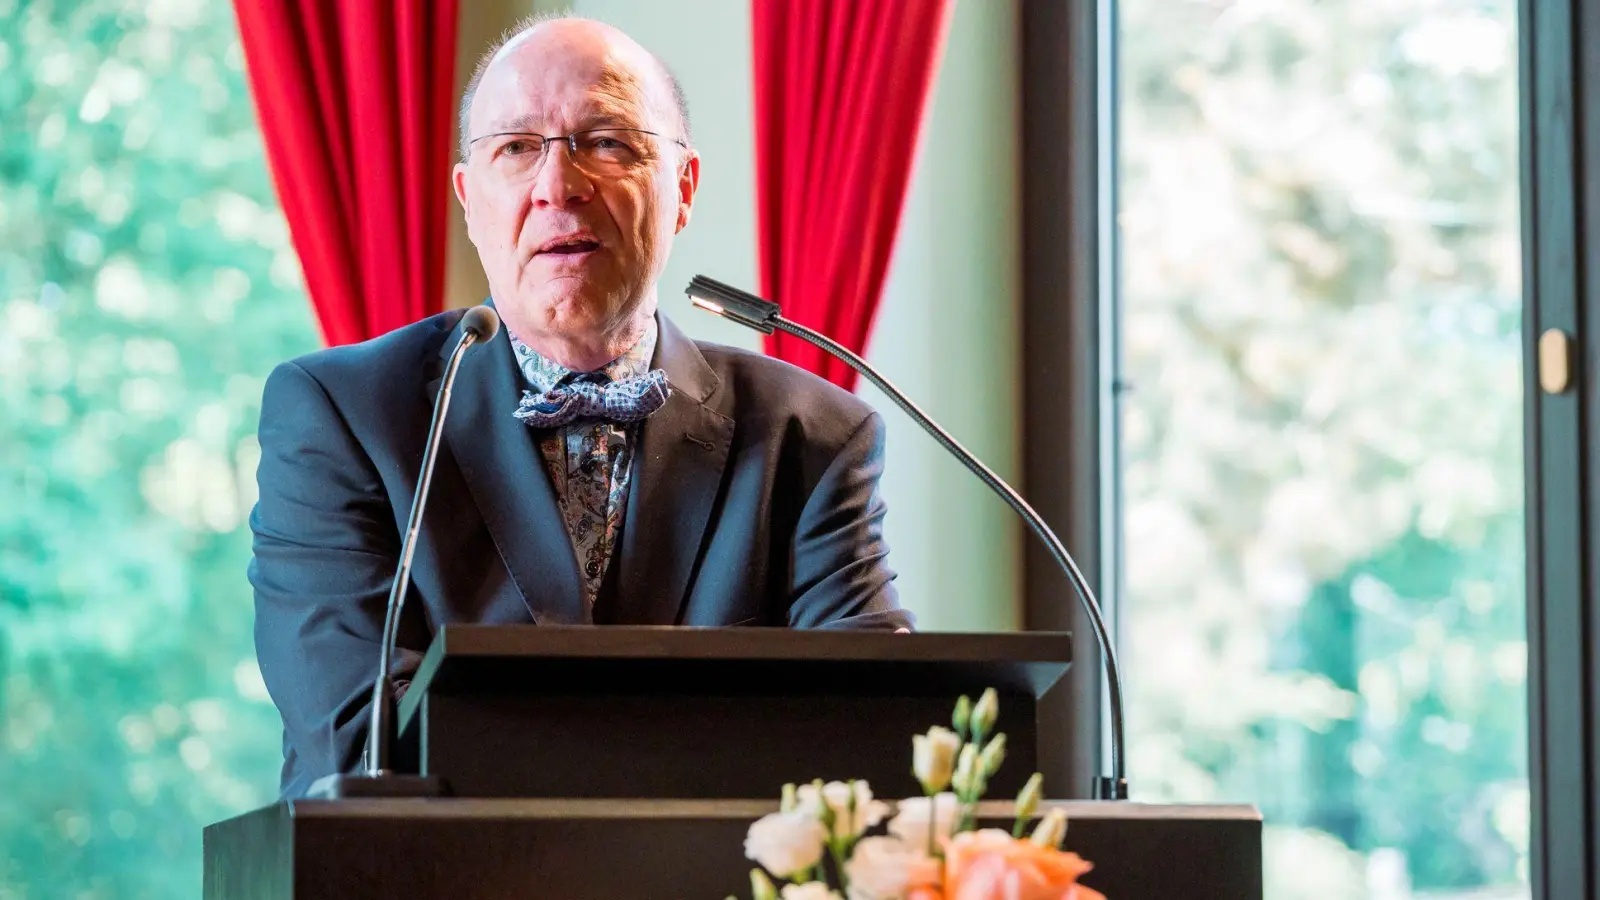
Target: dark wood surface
[574,850]
[251,855]
[707,713]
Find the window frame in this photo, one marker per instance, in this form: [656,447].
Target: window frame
[1560,103]
[1069,356]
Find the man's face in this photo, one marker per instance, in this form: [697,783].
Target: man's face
[573,243]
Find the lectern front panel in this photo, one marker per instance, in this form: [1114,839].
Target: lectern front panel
[601,713]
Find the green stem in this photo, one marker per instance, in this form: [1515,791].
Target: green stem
[837,850]
[969,811]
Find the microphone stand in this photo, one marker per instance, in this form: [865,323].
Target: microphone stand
[376,779]
[763,316]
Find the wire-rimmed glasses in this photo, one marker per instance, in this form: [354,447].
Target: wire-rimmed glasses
[599,151]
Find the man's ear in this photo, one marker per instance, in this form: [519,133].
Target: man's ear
[458,179]
[688,184]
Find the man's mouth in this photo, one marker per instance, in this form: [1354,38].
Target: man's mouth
[570,245]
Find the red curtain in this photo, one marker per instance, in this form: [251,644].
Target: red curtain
[354,99]
[840,94]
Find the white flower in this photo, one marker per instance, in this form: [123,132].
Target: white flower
[884,868]
[911,825]
[811,890]
[933,758]
[785,843]
[837,796]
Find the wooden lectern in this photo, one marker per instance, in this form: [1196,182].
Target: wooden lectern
[627,762]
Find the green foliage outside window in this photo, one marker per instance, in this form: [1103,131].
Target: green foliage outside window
[147,285]
[1323,440]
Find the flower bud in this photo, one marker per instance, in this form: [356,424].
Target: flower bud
[962,718]
[823,810]
[966,775]
[994,753]
[933,758]
[984,713]
[761,887]
[848,809]
[1052,829]
[790,798]
[1030,795]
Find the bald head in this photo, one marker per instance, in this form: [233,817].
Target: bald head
[548,39]
[574,234]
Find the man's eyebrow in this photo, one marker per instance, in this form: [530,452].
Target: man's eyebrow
[528,123]
[521,123]
[621,111]
[609,112]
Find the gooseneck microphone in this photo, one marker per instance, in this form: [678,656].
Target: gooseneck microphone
[763,316]
[478,325]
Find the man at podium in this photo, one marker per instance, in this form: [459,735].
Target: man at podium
[597,465]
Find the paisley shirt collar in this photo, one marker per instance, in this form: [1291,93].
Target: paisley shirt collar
[543,374]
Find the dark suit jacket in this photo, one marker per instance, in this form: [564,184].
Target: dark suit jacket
[753,501]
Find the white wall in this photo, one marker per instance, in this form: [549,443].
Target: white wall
[947,332]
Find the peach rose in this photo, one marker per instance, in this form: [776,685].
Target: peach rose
[991,865]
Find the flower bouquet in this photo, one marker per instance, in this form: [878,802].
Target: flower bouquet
[817,845]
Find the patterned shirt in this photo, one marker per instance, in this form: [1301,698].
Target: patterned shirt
[589,461]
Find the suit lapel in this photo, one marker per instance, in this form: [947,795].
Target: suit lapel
[677,474]
[500,462]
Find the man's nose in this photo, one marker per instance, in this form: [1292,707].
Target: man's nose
[559,182]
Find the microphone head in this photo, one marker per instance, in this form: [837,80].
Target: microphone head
[481,322]
[731,303]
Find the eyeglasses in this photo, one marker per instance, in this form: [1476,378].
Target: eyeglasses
[599,151]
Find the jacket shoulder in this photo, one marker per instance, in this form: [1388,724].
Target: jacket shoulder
[380,360]
[781,394]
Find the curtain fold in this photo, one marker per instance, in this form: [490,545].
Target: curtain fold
[841,90]
[355,104]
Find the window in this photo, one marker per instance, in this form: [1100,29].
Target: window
[147,286]
[1323,589]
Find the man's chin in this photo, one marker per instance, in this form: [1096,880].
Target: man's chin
[575,314]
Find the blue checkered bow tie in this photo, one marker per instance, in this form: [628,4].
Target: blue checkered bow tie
[593,395]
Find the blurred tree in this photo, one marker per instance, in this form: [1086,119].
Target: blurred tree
[147,285]
[1324,607]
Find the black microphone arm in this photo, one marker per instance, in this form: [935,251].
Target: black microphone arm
[763,316]
[478,325]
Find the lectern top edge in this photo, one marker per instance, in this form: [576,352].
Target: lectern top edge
[1031,661]
[740,810]
[681,642]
